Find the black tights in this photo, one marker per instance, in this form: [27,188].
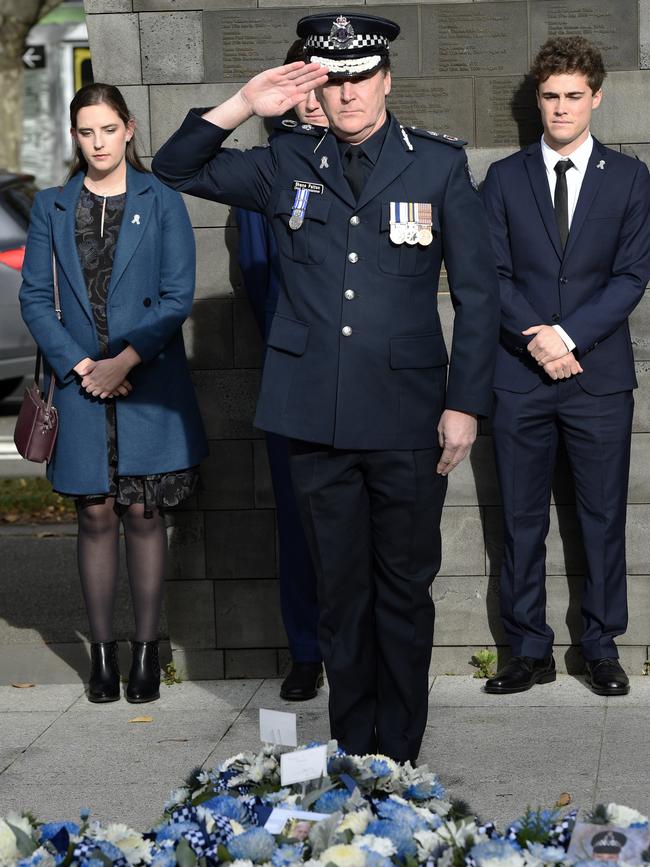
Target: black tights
[97,553]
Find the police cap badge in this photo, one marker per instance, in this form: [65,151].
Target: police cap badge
[348,45]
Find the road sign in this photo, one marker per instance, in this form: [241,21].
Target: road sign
[34,57]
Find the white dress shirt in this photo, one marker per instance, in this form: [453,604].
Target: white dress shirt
[574,178]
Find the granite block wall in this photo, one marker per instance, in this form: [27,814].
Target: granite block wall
[459,67]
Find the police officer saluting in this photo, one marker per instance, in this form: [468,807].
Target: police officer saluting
[356,368]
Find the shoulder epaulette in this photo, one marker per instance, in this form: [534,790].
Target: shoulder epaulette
[443,137]
[305,128]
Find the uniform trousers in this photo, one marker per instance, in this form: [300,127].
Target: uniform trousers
[596,432]
[372,520]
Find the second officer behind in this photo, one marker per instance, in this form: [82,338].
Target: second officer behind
[356,368]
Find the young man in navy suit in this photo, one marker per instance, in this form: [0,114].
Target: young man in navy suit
[570,228]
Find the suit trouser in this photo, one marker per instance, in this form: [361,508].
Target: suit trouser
[372,520]
[298,592]
[596,432]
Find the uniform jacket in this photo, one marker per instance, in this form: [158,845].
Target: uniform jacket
[591,288]
[383,385]
[150,295]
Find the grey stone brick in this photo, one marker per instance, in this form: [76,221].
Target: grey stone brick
[199,664]
[564,549]
[453,660]
[94,6]
[137,99]
[480,159]
[638,533]
[179,5]
[190,614]
[640,326]
[474,481]
[115,43]
[264,498]
[641,421]
[227,401]
[443,104]
[170,104]
[618,119]
[217,272]
[251,663]
[172,47]
[186,546]
[467,611]
[241,545]
[208,334]
[227,475]
[248,340]
[205,214]
[463,548]
[639,487]
[248,615]
[644,34]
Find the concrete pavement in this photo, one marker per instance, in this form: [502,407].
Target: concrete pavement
[58,752]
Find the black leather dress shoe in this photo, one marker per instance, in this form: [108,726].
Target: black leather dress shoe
[606,677]
[104,680]
[520,673]
[302,682]
[144,677]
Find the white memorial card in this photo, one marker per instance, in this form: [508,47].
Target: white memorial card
[292,822]
[277,727]
[303,765]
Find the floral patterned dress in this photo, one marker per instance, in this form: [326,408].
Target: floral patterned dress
[98,222]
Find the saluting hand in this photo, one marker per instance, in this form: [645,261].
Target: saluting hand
[456,433]
[274,91]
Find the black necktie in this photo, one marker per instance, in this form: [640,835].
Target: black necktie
[562,199]
[353,169]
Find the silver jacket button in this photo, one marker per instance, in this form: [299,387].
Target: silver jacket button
[349,294]
[346,331]
[354,221]
[353,257]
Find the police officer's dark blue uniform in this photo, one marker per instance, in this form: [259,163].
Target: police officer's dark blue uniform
[356,370]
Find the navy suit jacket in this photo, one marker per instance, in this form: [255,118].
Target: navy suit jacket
[382,384]
[591,288]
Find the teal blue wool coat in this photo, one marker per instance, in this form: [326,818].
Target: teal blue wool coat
[159,428]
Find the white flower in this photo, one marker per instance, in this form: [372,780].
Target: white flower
[236,827]
[176,796]
[8,850]
[132,844]
[381,845]
[356,822]
[241,863]
[343,856]
[623,816]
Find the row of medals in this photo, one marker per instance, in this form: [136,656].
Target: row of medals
[410,223]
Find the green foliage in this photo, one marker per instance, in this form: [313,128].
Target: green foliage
[26,846]
[534,828]
[32,500]
[185,857]
[460,810]
[169,675]
[485,661]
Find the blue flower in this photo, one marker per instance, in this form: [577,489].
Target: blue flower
[492,850]
[547,854]
[401,836]
[425,791]
[256,845]
[401,814]
[288,855]
[332,801]
[51,829]
[225,805]
[164,858]
[175,830]
[379,768]
[109,849]
[374,859]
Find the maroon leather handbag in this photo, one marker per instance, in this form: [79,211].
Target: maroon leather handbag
[38,421]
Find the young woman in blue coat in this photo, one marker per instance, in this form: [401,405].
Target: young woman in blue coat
[130,434]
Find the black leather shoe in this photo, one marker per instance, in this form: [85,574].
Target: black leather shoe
[104,680]
[302,682]
[606,677]
[520,673]
[144,677]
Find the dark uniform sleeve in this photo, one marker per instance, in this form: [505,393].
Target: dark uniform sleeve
[193,161]
[469,260]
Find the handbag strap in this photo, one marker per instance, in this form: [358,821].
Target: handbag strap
[57,311]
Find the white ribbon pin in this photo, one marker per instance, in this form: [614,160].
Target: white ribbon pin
[601,165]
[136,220]
[324,164]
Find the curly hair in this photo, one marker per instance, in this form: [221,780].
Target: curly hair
[562,54]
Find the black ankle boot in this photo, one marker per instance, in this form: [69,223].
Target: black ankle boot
[104,680]
[144,677]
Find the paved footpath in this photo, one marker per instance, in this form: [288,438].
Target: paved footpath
[58,752]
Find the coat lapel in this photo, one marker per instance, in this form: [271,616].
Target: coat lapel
[137,211]
[393,160]
[592,180]
[63,235]
[537,175]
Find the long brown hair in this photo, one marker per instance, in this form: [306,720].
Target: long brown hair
[97,94]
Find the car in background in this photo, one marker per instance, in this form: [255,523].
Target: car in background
[17,350]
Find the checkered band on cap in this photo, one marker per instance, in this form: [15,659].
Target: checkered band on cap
[363,40]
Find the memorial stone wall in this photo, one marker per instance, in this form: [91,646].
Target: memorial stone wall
[458,67]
